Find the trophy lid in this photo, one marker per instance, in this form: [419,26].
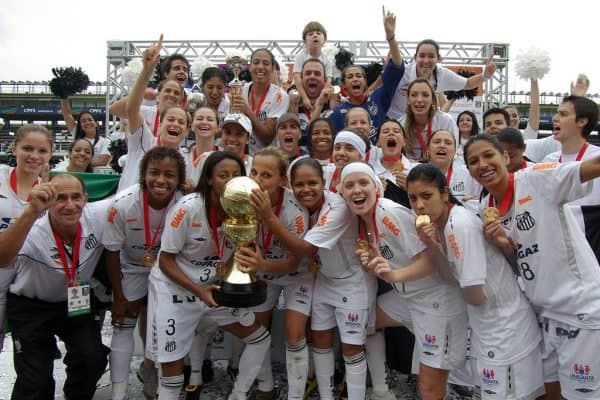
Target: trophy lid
[235,198]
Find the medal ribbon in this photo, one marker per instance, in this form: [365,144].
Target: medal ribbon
[422,143]
[14,184]
[156,123]
[150,244]
[579,154]
[362,226]
[266,242]
[508,196]
[254,109]
[70,271]
[212,221]
[334,178]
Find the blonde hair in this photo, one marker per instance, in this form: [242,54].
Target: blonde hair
[280,156]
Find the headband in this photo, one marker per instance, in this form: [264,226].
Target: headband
[359,166]
[353,139]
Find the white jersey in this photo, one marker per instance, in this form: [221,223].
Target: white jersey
[275,104]
[398,243]
[383,173]
[440,121]
[537,149]
[560,273]
[138,143]
[151,117]
[40,273]
[125,232]
[442,80]
[462,183]
[505,323]
[304,55]
[11,208]
[187,233]
[101,146]
[295,218]
[335,233]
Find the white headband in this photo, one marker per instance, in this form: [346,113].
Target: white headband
[353,139]
[359,166]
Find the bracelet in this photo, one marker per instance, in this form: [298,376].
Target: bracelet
[392,38]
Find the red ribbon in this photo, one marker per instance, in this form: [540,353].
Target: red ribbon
[70,271]
[508,196]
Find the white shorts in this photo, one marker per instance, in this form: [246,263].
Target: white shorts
[521,380]
[351,323]
[570,356]
[173,317]
[297,294]
[135,285]
[441,341]
[396,307]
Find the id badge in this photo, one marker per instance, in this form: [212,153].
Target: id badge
[78,299]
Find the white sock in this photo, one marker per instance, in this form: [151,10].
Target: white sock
[375,349]
[196,356]
[324,368]
[296,356]
[121,350]
[257,344]
[265,375]
[356,376]
[119,390]
[170,387]
[311,362]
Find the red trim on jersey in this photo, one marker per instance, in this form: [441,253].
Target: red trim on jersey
[156,123]
[334,178]
[579,154]
[14,184]
[508,196]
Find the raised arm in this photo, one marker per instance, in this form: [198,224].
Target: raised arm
[488,72]
[534,106]
[136,96]
[65,110]
[389,25]
[590,169]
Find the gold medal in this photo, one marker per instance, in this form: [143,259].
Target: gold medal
[491,214]
[362,244]
[313,268]
[148,260]
[220,267]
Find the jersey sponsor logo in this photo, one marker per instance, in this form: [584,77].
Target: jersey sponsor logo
[302,294]
[208,261]
[525,221]
[5,223]
[177,299]
[91,242]
[200,239]
[506,222]
[323,218]
[582,373]
[544,166]
[177,218]
[352,322]
[488,377]
[386,252]
[429,343]
[299,224]
[523,252]
[458,187]
[279,96]
[196,224]
[525,199]
[131,220]
[454,246]
[112,213]
[391,226]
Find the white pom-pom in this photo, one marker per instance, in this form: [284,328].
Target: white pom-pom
[136,65]
[330,50]
[532,63]
[128,77]
[199,65]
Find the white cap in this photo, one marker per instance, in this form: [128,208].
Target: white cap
[239,119]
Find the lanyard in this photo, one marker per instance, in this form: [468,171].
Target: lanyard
[254,109]
[70,272]
[266,242]
[508,196]
[422,143]
[212,221]
[146,208]
[579,154]
[14,184]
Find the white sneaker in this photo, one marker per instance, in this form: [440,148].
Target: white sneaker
[388,395]
[119,391]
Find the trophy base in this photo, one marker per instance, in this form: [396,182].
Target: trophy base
[241,295]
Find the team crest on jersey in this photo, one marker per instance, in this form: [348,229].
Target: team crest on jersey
[386,252]
[458,187]
[91,242]
[373,109]
[429,344]
[582,373]
[525,221]
[170,346]
[488,377]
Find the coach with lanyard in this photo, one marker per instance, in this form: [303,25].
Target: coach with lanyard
[55,256]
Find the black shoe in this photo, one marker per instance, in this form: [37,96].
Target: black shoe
[187,371]
[208,373]
[192,392]
[344,392]
[260,395]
